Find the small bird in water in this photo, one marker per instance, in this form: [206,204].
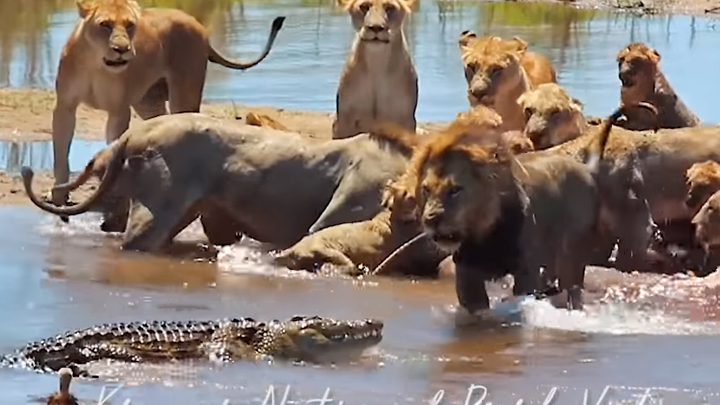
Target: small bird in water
[63,395]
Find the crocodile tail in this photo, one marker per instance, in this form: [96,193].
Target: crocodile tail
[215,56]
[111,173]
[596,149]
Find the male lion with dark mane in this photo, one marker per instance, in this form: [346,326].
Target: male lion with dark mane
[120,56]
[498,71]
[378,83]
[642,80]
[501,214]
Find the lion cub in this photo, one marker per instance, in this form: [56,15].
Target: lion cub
[498,71]
[482,115]
[551,116]
[378,83]
[642,80]
[120,56]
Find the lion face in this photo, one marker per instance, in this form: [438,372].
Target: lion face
[703,179]
[637,67]
[707,223]
[492,66]
[378,22]
[551,116]
[109,27]
[458,175]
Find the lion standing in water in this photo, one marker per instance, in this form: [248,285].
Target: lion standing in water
[120,56]
[379,83]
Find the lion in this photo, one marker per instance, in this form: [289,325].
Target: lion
[707,231]
[498,71]
[262,120]
[351,246]
[642,80]
[703,180]
[272,186]
[516,140]
[499,213]
[551,116]
[379,83]
[119,56]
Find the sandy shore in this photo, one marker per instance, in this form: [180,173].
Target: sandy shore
[26,115]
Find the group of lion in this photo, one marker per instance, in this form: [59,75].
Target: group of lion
[522,183]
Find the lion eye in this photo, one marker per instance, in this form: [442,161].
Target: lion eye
[364,7]
[106,25]
[454,191]
[390,10]
[129,26]
[528,112]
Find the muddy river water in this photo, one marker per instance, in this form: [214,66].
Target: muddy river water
[639,332]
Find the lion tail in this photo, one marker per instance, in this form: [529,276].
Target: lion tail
[111,173]
[216,57]
[596,149]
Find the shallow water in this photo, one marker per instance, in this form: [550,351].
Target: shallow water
[638,332]
[39,154]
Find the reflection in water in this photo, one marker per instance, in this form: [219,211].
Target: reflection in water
[39,155]
[303,69]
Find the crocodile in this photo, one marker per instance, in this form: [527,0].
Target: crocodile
[301,338]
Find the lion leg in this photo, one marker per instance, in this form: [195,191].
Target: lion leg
[152,103]
[117,123]
[219,227]
[63,128]
[470,288]
[186,87]
[151,231]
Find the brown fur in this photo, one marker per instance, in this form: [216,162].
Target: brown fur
[351,246]
[707,223]
[120,56]
[499,213]
[378,83]
[642,80]
[262,120]
[273,186]
[703,180]
[63,395]
[482,115]
[551,116]
[498,71]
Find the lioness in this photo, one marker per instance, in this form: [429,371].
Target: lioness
[120,55]
[498,71]
[273,186]
[551,116]
[703,180]
[501,214]
[707,231]
[350,246]
[642,80]
[378,83]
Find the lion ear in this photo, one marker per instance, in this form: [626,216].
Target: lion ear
[409,3]
[577,103]
[655,56]
[521,45]
[465,38]
[85,7]
[343,3]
